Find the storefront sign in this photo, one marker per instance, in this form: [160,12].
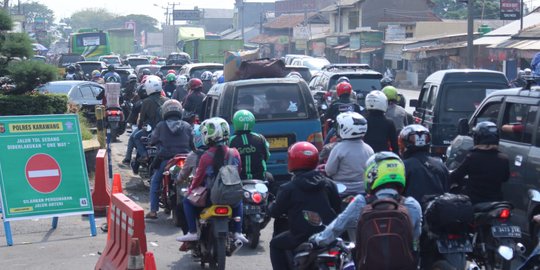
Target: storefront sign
[510,9]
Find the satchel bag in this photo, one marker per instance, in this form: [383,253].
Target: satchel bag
[198,195]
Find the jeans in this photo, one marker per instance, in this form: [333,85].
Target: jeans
[141,149]
[192,212]
[329,135]
[155,186]
[130,145]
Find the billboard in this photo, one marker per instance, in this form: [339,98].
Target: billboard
[510,9]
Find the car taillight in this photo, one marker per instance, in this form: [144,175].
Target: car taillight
[453,236]
[504,214]
[221,210]
[317,140]
[256,197]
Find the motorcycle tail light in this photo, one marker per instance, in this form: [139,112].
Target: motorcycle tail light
[256,197]
[333,252]
[504,214]
[221,210]
[317,140]
[180,163]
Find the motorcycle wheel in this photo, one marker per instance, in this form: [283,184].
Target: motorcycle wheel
[442,265]
[218,262]
[254,234]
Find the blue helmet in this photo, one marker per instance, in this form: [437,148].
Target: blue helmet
[221,79]
[198,139]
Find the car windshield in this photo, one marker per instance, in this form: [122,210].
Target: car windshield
[316,63]
[89,67]
[196,73]
[135,62]
[271,101]
[66,60]
[111,60]
[466,97]
[55,88]
[153,69]
[360,83]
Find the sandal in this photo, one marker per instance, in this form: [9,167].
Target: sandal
[151,215]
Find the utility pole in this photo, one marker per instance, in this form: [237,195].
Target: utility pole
[470,34]
[242,21]
[521,16]
[306,51]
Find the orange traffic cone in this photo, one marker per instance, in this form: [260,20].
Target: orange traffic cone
[149,261]
[117,184]
[135,259]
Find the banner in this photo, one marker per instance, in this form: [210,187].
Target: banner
[42,167]
[510,9]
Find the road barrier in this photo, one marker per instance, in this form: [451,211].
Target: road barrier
[126,223]
[149,261]
[136,259]
[116,188]
[101,194]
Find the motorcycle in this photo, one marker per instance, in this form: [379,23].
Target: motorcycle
[255,212]
[494,237]
[146,168]
[533,261]
[338,255]
[170,200]
[116,122]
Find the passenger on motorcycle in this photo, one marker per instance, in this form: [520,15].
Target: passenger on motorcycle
[194,99]
[253,147]
[426,175]
[96,77]
[145,72]
[172,136]
[383,178]
[395,112]
[486,167]
[180,93]
[193,158]
[347,161]
[132,119]
[381,135]
[170,85]
[216,135]
[342,104]
[111,75]
[131,87]
[308,192]
[150,113]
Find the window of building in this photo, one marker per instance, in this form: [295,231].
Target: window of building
[354,19]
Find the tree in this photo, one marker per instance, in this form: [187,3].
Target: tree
[143,22]
[5,21]
[451,9]
[28,74]
[98,18]
[34,10]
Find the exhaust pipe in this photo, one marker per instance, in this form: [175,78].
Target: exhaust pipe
[237,244]
[521,248]
[473,266]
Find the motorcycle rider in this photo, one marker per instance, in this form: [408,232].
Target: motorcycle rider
[307,199]
[395,112]
[485,165]
[180,93]
[145,72]
[194,100]
[131,87]
[253,147]
[170,85]
[149,114]
[426,175]
[96,77]
[383,178]
[72,74]
[342,104]
[206,78]
[381,135]
[111,75]
[172,136]
[132,119]
[346,163]
[216,135]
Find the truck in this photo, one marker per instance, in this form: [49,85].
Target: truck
[211,51]
[122,41]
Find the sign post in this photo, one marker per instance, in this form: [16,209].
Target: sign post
[510,9]
[42,169]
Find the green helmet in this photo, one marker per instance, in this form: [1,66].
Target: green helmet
[383,168]
[170,77]
[243,120]
[391,93]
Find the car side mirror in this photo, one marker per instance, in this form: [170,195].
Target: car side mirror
[413,103]
[463,126]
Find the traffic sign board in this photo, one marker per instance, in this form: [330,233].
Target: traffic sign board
[43,173]
[186,15]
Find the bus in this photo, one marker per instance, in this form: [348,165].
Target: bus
[90,43]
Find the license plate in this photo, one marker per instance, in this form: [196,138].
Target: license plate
[454,245]
[113,118]
[278,143]
[505,231]
[252,209]
[152,151]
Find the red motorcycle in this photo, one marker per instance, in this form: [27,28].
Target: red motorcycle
[171,197]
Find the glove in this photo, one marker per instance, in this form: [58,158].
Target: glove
[313,240]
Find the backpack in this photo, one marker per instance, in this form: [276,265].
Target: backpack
[226,189]
[449,213]
[384,236]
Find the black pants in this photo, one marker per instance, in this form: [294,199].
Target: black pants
[279,246]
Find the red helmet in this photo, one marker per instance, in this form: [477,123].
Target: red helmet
[171,71]
[302,156]
[343,88]
[195,83]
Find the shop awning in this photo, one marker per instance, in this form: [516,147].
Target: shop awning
[369,50]
[341,46]
[518,44]
[487,40]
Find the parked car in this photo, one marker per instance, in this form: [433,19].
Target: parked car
[135,61]
[111,60]
[449,95]
[80,93]
[304,71]
[195,70]
[178,58]
[315,65]
[517,110]
[284,109]
[89,66]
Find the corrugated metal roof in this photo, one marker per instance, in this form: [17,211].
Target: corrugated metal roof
[518,44]
[290,20]
[487,40]
[513,27]
[218,13]
[264,39]
[342,3]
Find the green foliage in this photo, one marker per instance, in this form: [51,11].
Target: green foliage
[5,21]
[16,45]
[85,127]
[143,22]
[98,18]
[27,75]
[451,9]
[34,10]
[33,104]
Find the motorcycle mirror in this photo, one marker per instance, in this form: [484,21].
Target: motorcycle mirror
[341,188]
[262,188]
[148,128]
[534,195]
[506,252]
[324,107]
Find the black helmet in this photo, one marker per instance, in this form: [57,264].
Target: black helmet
[413,138]
[386,81]
[141,92]
[342,79]
[71,68]
[78,67]
[146,71]
[110,68]
[159,74]
[486,133]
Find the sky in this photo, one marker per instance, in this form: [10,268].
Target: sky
[153,8]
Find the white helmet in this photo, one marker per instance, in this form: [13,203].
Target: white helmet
[215,130]
[376,100]
[152,84]
[351,125]
[206,76]
[181,80]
